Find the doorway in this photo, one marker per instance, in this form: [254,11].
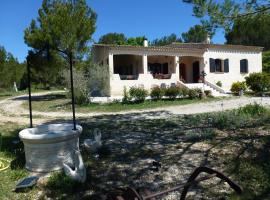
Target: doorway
[196,71]
[182,73]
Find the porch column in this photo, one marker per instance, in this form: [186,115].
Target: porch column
[111,64]
[144,63]
[176,61]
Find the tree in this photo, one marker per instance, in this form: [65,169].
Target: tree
[62,25]
[221,14]
[258,82]
[195,34]
[266,61]
[10,69]
[166,40]
[253,30]
[113,38]
[121,39]
[136,41]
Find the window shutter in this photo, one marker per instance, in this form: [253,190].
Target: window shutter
[246,66]
[212,65]
[226,65]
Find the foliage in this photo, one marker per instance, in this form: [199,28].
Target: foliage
[238,86]
[166,40]
[253,31]
[80,85]
[113,38]
[121,39]
[136,41]
[156,93]
[221,14]
[171,92]
[266,61]
[258,82]
[10,70]
[208,93]
[193,93]
[137,94]
[126,98]
[252,109]
[196,34]
[59,180]
[183,91]
[219,83]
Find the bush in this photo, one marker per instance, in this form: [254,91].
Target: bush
[258,82]
[238,86]
[208,93]
[219,83]
[126,98]
[138,94]
[193,93]
[156,93]
[171,92]
[183,91]
[252,109]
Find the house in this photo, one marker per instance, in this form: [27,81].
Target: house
[178,64]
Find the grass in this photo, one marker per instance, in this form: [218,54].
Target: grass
[180,143]
[14,153]
[59,102]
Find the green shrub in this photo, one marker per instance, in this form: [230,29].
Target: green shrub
[80,98]
[252,109]
[156,93]
[193,93]
[138,94]
[171,92]
[238,86]
[183,91]
[126,98]
[208,93]
[258,82]
[219,83]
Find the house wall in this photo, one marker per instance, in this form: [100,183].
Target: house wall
[254,65]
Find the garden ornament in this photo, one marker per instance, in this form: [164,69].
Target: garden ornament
[93,145]
[79,173]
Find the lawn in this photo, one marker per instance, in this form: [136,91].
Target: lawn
[234,142]
[59,102]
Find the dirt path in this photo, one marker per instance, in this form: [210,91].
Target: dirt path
[12,110]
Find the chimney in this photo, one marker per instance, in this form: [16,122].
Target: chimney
[208,39]
[145,43]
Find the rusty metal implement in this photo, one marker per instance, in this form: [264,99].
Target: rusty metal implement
[132,194]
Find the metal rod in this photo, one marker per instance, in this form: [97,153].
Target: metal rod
[29,93]
[72,90]
[179,187]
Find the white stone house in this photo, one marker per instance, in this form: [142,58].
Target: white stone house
[177,64]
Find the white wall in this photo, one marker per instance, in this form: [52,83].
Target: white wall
[254,65]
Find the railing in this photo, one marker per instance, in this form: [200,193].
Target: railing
[215,87]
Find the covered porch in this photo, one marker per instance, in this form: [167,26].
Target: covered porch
[190,69]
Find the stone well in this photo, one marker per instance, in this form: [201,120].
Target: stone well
[47,147]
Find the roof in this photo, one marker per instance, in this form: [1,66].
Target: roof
[183,46]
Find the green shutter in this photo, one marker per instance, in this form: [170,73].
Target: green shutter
[226,65]
[212,65]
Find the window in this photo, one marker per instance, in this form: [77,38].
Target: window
[218,65]
[244,66]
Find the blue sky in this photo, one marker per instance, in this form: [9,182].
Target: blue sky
[152,18]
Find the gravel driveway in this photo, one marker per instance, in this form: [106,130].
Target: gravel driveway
[12,110]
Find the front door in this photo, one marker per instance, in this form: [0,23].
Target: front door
[196,72]
[183,72]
